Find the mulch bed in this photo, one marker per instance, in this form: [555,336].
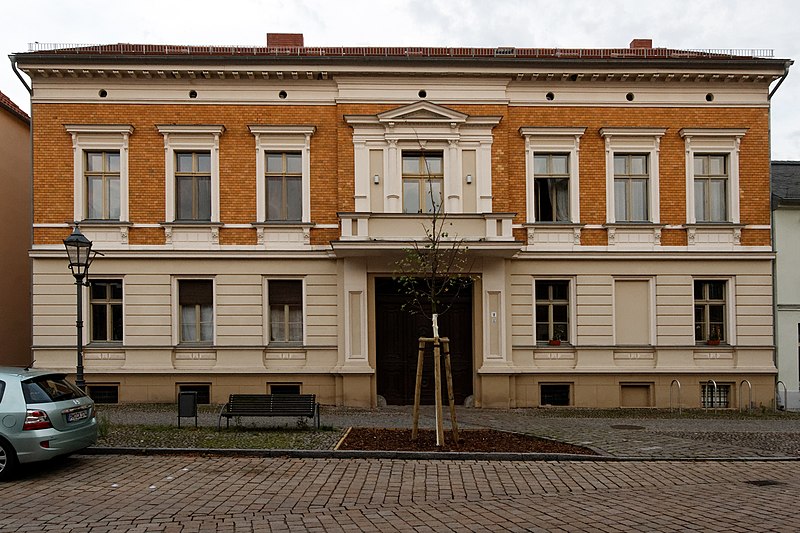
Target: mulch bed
[472,440]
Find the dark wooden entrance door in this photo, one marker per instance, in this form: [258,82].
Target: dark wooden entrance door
[397,344]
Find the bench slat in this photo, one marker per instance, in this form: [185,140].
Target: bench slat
[300,405]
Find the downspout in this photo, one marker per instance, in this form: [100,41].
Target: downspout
[13,59]
[783,78]
[775,343]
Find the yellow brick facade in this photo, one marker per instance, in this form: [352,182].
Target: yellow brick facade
[332,161]
[356,119]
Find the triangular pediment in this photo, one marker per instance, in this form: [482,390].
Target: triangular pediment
[422,112]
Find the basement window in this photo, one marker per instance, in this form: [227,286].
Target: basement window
[554,394]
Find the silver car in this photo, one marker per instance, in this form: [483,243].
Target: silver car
[42,415]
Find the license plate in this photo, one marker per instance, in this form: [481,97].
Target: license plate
[78,415]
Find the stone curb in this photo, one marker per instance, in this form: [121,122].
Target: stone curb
[407,455]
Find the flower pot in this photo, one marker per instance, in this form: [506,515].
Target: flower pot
[554,342]
[712,342]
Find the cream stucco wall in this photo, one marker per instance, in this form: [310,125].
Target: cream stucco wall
[337,360]
[787,223]
[15,239]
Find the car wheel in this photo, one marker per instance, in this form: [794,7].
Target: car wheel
[8,460]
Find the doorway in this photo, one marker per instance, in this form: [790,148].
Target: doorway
[397,334]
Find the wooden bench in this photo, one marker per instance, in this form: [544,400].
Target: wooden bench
[299,405]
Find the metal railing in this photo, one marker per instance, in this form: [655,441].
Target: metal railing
[713,395]
[778,393]
[678,383]
[399,51]
[749,395]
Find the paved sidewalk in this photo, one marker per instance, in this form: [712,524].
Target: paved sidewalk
[650,438]
[94,494]
[198,493]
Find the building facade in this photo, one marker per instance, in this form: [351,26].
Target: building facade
[251,204]
[786,224]
[15,233]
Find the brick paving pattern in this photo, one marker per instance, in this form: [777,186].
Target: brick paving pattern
[232,494]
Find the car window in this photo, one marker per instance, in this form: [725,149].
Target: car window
[2,389]
[43,389]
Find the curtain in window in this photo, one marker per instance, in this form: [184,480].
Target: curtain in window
[188,323]
[559,189]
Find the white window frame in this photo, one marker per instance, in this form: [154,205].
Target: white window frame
[730,302]
[571,308]
[266,313]
[282,139]
[714,141]
[432,149]
[89,318]
[630,141]
[176,311]
[553,141]
[423,126]
[190,138]
[96,138]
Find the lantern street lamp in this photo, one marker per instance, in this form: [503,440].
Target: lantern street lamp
[80,254]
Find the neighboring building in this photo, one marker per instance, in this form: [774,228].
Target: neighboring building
[251,202]
[15,233]
[786,224]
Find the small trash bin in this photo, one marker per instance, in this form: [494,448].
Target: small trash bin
[187,406]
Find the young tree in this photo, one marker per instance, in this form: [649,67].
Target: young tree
[432,272]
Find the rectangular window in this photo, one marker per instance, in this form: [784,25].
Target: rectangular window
[631,175]
[103,393]
[101,172]
[709,311]
[711,187]
[105,302]
[285,311]
[719,397]
[284,388]
[423,178]
[284,186]
[196,302]
[554,394]
[551,187]
[552,311]
[203,391]
[193,186]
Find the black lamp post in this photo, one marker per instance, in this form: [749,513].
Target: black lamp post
[80,254]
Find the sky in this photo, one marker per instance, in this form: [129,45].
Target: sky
[691,24]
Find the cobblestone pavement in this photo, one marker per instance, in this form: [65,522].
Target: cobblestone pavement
[110,493]
[649,438]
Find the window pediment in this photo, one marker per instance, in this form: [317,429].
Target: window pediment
[422,112]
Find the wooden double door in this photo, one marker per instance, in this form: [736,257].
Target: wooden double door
[397,345]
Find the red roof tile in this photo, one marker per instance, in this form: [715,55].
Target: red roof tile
[6,103]
[388,52]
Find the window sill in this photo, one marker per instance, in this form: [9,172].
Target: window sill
[103,344]
[194,345]
[633,224]
[548,224]
[97,222]
[191,224]
[282,224]
[711,225]
[280,346]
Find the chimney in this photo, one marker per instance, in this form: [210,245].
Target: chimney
[642,43]
[285,40]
